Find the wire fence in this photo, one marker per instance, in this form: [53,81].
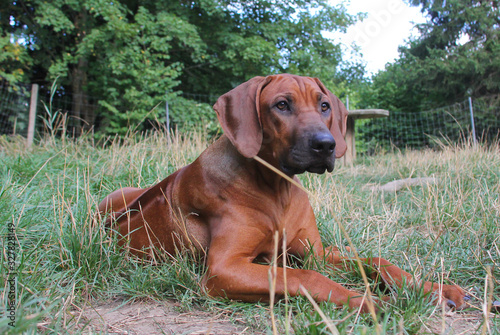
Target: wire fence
[470,120]
[82,114]
[402,130]
[15,105]
[14,111]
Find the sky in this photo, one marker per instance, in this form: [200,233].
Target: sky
[388,24]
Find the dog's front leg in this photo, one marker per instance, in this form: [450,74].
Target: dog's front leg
[393,276]
[233,274]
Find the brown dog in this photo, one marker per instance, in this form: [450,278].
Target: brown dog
[229,205]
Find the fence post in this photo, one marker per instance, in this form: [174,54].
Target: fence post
[472,121]
[167,122]
[32,115]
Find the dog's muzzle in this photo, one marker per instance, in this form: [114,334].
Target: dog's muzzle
[314,153]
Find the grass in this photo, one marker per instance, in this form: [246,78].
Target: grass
[65,261]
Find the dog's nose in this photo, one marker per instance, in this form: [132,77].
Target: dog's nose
[323,143]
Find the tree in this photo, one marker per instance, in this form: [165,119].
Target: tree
[457,55]
[129,55]
[14,60]
[248,38]
[459,47]
[101,50]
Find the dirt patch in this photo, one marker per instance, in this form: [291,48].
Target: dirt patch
[456,323]
[152,317]
[165,317]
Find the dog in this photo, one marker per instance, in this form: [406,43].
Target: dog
[230,206]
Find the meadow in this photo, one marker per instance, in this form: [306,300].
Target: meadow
[66,264]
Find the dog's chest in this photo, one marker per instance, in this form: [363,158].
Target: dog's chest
[194,232]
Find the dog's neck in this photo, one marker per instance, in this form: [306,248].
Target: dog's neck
[238,165]
[271,179]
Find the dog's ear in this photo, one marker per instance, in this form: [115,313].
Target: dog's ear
[338,125]
[238,112]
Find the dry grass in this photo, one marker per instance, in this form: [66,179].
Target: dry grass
[66,262]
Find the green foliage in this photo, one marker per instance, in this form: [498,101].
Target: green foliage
[128,56]
[456,56]
[14,60]
[440,67]
[187,115]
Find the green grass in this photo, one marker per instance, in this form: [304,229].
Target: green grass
[65,259]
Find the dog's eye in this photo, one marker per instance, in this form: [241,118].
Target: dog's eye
[325,106]
[282,105]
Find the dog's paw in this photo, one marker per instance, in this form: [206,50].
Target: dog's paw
[456,298]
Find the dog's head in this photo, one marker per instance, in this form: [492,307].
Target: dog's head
[293,122]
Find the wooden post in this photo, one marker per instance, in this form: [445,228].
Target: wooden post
[474,139]
[350,154]
[32,115]
[350,136]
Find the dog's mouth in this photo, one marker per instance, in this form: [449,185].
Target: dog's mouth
[298,169]
[290,171]
[320,169]
[301,158]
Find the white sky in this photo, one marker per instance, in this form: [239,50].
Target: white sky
[389,24]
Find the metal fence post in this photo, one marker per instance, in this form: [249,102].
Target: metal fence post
[472,121]
[167,122]
[32,115]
